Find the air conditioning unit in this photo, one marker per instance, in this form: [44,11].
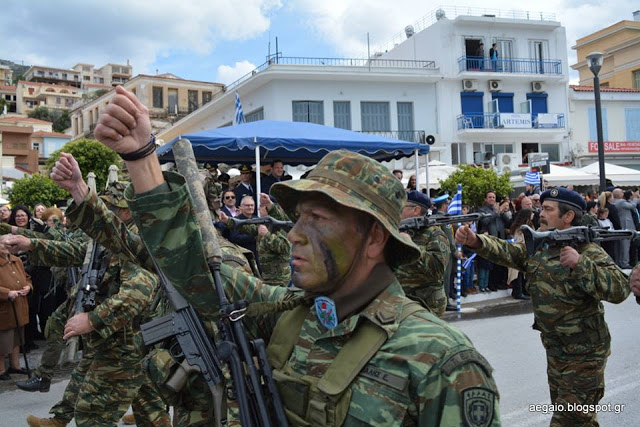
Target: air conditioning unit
[538,87]
[505,162]
[495,85]
[481,158]
[470,85]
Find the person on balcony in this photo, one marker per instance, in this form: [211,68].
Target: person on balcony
[480,55]
[493,54]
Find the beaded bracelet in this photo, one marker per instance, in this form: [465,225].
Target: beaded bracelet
[141,152]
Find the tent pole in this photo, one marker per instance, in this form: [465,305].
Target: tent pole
[258,183]
[417,170]
[426,172]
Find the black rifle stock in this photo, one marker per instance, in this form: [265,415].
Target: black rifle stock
[273,223]
[574,236]
[420,222]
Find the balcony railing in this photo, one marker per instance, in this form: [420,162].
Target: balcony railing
[510,121]
[510,65]
[403,135]
[362,63]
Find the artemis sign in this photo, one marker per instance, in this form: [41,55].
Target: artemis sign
[514,120]
[616,147]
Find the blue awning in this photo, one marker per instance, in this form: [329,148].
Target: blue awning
[292,142]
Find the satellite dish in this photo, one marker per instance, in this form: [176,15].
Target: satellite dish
[440,14]
[409,31]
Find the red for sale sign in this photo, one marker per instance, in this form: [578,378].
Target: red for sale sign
[616,147]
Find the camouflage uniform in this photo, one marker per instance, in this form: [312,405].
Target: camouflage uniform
[93,216]
[423,278]
[425,372]
[109,378]
[590,220]
[569,314]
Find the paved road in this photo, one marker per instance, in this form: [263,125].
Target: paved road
[516,353]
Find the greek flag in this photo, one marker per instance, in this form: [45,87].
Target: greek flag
[455,208]
[239,113]
[532,178]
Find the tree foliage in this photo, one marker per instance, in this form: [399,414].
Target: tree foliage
[36,189]
[61,118]
[62,121]
[41,113]
[91,156]
[475,183]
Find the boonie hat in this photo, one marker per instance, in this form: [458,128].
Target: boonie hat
[358,182]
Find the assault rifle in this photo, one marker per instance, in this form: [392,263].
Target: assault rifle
[254,388]
[572,236]
[273,223]
[419,222]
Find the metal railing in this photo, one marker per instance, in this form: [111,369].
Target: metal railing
[403,135]
[360,63]
[510,65]
[452,12]
[492,121]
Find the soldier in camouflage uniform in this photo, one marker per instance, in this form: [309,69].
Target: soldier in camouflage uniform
[417,368]
[109,377]
[567,286]
[422,279]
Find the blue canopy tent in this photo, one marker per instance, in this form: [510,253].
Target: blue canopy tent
[294,143]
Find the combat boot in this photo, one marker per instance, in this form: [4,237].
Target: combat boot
[44,422]
[34,383]
[129,419]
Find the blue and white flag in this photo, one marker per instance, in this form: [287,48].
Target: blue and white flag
[455,208]
[239,113]
[532,178]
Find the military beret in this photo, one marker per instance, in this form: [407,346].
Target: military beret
[563,195]
[441,199]
[245,169]
[418,198]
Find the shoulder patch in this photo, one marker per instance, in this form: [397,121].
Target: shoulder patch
[383,377]
[478,406]
[463,357]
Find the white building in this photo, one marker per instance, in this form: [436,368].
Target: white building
[620,125]
[515,104]
[416,87]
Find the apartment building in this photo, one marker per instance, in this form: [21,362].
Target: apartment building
[168,98]
[6,75]
[16,137]
[53,76]
[30,95]
[109,74]
[620,44]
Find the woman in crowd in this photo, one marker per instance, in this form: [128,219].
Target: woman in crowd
[516,278]
[38,209]
[15,285]
[412,183]
[605,222]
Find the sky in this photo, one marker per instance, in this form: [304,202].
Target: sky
[221,40]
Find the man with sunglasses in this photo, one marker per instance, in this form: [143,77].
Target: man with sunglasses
[229,204]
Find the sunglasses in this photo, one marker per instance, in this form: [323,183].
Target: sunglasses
[229,197]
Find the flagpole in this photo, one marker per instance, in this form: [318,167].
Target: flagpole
[418,172]
[459,266]
[258,184]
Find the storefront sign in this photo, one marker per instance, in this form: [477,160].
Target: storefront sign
[616,147]
[514,120]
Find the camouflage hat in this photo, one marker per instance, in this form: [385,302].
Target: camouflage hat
[114,195]
[360,183]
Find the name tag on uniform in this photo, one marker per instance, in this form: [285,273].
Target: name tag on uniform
[383,377]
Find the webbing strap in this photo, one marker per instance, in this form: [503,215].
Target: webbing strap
[285,335]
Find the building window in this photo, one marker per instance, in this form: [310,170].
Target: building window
[206,97]
[342,114]
[375,116]
[498,148]
[632,121]
[308,111]
[86,68]
[458,153]
[254,116]
[58,100]
[193,100]
[86,78]
[553,150]
[593,130]
[405,121]
[636,79]
[157,97]
[64,76]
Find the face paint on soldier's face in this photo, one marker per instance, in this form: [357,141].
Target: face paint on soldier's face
[325,240]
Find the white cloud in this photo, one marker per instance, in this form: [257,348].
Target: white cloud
[66,32]
[345,23]
[228,74]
